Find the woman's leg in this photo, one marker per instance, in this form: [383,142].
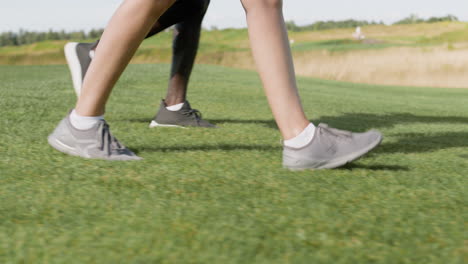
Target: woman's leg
[272,54]
[83,132]
[123,35]
[306,146]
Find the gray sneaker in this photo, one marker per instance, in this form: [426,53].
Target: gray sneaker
[330,148]
[79,56]
[95,143]
[185,117]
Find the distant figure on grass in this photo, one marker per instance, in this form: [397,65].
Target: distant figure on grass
[305,146]
[358,35]
[175,110]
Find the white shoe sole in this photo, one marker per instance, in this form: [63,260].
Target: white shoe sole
[56,144]
[154,124]
[74,66]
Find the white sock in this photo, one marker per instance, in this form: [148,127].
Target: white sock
[302,139]
[91,54]
[84,122]
[174,108]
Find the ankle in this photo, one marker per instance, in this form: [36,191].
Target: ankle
[175,107]
[84,122]
[174,101]
[302,139]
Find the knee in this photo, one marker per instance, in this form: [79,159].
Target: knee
[263,4]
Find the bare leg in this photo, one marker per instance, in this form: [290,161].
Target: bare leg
[187,15]
[185,47]
[135,18]
[272,54]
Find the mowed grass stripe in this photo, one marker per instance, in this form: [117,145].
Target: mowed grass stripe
[221,196]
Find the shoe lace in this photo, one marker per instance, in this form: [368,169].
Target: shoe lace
[335,133]
[109,143]
[197,115]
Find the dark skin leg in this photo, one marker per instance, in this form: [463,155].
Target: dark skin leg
[185,47]
[187,16]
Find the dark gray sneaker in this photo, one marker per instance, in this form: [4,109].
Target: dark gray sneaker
[79,56]
[185,117]
[330,148]
[95,143]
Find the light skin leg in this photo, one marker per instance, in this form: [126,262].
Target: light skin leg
[135,18]
[272,54]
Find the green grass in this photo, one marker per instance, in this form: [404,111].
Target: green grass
[221,196]
[448,37]
[341,45]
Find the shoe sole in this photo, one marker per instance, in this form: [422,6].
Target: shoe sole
[74,65]
[56,144]
[154,124]
[341,161]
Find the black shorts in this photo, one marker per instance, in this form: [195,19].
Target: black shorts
[182,10]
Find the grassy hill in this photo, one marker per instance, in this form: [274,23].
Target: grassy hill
[433,54]
[221,196]
[158,48]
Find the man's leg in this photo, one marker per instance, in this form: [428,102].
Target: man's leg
[185,47]
[306,146]
[175,110]
[130,24]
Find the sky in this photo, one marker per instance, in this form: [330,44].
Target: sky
[41,15]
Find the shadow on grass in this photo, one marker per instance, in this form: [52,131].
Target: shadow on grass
[139,120]
[406,143]
[420,142]
[267,123]
[377,167]
[220,147]
[361,121]
[350,121]
[231,147]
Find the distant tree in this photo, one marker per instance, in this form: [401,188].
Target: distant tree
[95,33]
[24,37]
[291,26]
[449,18]
[350,23]
[414,19]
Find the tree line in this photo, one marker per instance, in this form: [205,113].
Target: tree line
[351,23]
[24,37]
[414,19]
[324,25]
